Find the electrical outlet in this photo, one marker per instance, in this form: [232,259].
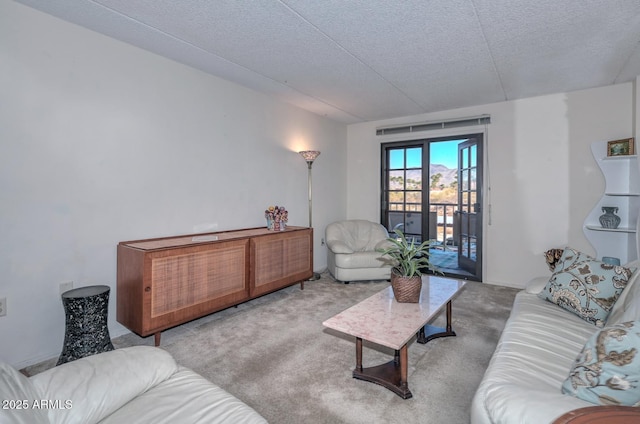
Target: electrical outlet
[3,306]
[66,286]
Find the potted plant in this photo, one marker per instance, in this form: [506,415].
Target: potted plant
[409,261]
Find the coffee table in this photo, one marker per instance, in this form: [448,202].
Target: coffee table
[382,320]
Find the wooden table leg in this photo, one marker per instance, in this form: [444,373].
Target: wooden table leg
[404,365]
[449,308]
[393,375]
[156,338]
[430,332]
[359,354]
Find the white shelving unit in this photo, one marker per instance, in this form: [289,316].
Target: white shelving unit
[622,177]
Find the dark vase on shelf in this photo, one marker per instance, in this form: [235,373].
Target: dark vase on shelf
[609,219]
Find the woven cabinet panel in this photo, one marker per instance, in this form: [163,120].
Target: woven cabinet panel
[189,279]
[276,258]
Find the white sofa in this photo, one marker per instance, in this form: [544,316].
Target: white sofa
[540,341]
[139,384]
[353,250]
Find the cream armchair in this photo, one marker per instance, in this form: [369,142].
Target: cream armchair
[353,250]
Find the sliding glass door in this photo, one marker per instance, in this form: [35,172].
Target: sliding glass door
[469,219]
[430,191]
[404,203]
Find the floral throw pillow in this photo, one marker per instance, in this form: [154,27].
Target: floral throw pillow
[585,286]
[607,370]
[552,256]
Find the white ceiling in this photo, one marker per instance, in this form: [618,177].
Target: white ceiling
[364,60]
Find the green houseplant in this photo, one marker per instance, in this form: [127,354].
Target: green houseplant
[409,260]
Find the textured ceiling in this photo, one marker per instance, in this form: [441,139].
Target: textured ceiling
[363,60]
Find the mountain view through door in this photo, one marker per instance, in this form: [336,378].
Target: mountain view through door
[448,187]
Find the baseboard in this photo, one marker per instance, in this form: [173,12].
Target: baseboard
[503,284]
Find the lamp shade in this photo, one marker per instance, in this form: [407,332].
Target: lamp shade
[310,155]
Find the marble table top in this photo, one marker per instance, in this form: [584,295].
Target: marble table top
[382,320]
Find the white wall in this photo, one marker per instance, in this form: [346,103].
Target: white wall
[102,142]
[544,180]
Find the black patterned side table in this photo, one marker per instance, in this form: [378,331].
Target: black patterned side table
[86,330]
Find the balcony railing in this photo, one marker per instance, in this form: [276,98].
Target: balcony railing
[441,213]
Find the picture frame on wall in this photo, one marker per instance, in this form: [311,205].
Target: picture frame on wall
[623,147]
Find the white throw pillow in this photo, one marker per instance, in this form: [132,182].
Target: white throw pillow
[100,384]
[20,398]
[535,285]
[627,308]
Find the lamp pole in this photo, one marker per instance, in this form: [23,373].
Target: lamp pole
[310,198]
[310,156]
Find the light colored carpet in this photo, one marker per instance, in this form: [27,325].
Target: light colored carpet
[275,355]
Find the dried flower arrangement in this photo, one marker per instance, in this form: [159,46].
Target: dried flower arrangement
[277,217]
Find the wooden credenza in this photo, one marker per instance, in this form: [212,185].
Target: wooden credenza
[165,282]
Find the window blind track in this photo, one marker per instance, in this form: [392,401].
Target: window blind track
[435,125]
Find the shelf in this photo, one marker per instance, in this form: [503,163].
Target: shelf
[611,230]
[622,191]
[621,157]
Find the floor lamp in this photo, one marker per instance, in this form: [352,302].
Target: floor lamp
[310,156]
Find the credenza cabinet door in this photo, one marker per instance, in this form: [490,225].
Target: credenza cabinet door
[185,286]
[280,260]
